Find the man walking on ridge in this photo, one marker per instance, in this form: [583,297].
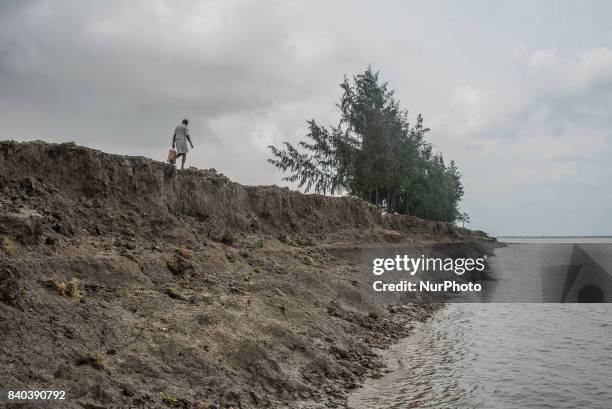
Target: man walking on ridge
[179,141]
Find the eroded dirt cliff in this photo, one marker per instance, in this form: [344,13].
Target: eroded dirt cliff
[130,288]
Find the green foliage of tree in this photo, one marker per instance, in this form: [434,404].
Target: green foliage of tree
[463,218]
[375,154]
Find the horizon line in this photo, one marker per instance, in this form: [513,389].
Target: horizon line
[554,236]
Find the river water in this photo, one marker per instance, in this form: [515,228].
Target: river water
[500,355]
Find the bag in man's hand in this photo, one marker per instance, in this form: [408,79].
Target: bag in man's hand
[172,156]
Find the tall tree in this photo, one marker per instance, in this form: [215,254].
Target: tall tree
[375,154]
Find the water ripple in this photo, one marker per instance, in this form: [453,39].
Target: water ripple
[500,356]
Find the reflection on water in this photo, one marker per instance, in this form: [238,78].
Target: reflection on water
[500,356]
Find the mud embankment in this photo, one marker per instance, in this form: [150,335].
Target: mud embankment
[130,288]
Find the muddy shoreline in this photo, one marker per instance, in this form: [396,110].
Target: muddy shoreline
[132,288]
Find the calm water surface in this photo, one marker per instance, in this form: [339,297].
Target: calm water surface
[501,355]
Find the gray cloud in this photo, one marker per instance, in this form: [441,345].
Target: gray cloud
[517,94]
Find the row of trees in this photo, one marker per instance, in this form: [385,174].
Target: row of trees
[374,153]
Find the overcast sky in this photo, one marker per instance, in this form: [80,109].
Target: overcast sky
[519,94]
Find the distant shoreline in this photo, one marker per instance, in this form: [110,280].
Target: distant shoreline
[553,237]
